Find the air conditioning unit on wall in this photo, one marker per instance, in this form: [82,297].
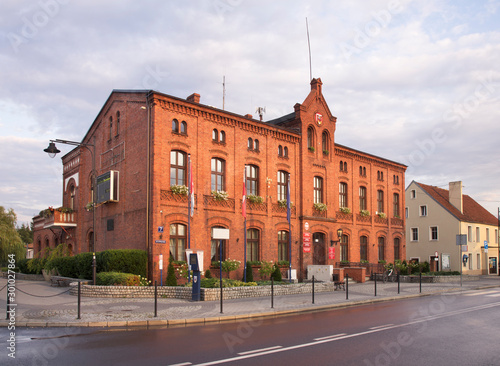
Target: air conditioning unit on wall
[107,187]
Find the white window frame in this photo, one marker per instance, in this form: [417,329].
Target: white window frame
[420,211]
[430,233]
[407,212]
[413,194]
[411,233]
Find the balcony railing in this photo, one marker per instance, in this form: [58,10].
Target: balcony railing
[61,219]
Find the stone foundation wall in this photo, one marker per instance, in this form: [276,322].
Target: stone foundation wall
[207,294]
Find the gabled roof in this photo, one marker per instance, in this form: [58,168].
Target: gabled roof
[472,211]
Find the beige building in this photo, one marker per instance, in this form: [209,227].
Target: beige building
[434,218]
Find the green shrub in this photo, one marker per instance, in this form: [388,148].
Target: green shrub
[35,265]
[65,266]
[208,274]
[266,268]
[123,260]
[276,275]
[23,265]
[249,273]
[171,279]
[215,283]
[117,279]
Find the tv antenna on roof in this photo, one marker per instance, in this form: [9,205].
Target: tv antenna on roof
[260,111]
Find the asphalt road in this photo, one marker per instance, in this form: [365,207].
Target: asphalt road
[447,329]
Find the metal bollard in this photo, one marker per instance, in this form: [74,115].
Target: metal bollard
[272,292]
[420,281]
[375,284]
[399,284]
[313,290]
[79,298]
[8,305]
[156,299]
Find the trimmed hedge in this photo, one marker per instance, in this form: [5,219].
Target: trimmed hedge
[66,266]
[117,279]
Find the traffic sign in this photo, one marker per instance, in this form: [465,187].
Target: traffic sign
[160,229]
[486,246]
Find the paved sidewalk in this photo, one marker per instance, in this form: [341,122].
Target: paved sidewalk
[40,305]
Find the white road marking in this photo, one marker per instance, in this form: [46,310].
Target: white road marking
[381,326]
[259,350]
[330,337]
[480,293]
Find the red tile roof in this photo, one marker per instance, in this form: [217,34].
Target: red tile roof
[472,211]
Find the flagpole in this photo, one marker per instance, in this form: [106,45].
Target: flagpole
[289,217]
[244,212]
[189,212]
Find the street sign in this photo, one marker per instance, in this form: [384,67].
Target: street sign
[160,241]
[160,229]
[306,240]
[485,246]
[161,261]
[306,226]
[462,239]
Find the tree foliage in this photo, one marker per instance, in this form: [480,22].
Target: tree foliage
[26,233]
[10,241]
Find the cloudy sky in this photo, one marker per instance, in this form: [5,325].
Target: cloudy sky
[416,82]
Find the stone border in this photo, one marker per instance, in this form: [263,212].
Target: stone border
[24,276]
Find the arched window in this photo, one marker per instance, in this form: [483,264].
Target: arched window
[324,142]
[252,245]
[252,179]
[215,134]
[310,138]
[362,198]
[363,248]
[110,127]
[381,248]
[178,242]
[280,150]
[282,185]
[318,190]
[184,127]
[380,201]
[117,123]
[175,126]
[285,152]
[361,171]
[217,167]
[215,247]
[396,249]
[177,168]
[343,195]
[364,171]
[222,137]
[250,144]
[72,193]
[344,248]
[283,246]
[345,166]
[341,165]
[256,145]
[395,204]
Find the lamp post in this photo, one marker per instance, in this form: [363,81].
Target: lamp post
[52,150]
[339,234]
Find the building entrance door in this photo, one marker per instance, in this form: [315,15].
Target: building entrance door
[493,265]
[319,251]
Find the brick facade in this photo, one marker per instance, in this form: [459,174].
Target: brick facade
[301,144]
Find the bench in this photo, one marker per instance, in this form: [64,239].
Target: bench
[60,281]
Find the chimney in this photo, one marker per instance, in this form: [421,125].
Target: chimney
[455,195]
[193,98]
[249,116]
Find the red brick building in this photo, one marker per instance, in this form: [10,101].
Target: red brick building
[145,138]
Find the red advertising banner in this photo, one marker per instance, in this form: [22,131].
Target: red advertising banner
[331,253]
[306,240]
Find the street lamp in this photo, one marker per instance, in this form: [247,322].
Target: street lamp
[52,150]
[339,234]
